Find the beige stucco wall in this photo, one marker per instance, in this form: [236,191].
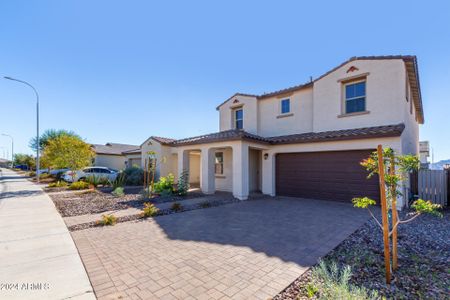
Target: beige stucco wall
[385,87]
[320,108]
[225,182]
[271,122]
[133,160]
[410,136]
[162,153]
[116,162]
[249,106]
[194,168]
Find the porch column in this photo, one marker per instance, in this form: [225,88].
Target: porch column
[183,161]
[240,171]
[207,177]
[268,172]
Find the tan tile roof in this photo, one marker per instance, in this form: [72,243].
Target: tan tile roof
[162,140]
[337,135]
[310,137]
[113,148]
[228,135]
[133,151]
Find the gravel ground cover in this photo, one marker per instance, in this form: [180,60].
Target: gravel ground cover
[423,257]
[217,201]
[101,200]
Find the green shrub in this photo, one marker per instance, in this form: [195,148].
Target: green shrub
[79,185]
[120,180]
[332,283]
[165,185]
[150,210]
[44,176]
[92,180]
[145,194]
[311,290]
[176,206]
[118,192]
[133,176]
[183,183]
[97,180]
[57,184]
[32,174]
[107,220]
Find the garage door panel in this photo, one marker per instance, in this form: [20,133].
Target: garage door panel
[335,175]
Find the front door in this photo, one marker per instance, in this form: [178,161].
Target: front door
[254,170]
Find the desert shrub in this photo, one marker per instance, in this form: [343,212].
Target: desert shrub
[150,210]
[120,180]
[205,204]
[92,180]
[57,184]
[328,282]
[97,180]
[165,185]
[107,220]
[145,194]
[176,206]
[183,183]
[133,176]
[44,176]
[118,192]
[311,290]
[79,185]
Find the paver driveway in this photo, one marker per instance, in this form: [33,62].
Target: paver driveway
[247,250]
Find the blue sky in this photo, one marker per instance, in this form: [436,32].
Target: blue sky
[120,71]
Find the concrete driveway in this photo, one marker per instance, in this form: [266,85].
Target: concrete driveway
[247,250]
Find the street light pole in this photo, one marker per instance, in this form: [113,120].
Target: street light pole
[37,122]
[12,148]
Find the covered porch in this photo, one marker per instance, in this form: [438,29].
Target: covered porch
[232,166]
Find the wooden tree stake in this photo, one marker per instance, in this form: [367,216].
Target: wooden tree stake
[384,216]
[153,174]
[394,216]
[145,174]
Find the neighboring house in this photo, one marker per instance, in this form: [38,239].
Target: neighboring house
[424,153]
[116,156]
[4,163]
[307,140]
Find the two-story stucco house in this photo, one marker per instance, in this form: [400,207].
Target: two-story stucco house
[307,140]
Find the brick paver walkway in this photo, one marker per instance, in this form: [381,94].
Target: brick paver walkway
[248,250]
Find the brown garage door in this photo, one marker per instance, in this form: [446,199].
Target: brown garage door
[335,175]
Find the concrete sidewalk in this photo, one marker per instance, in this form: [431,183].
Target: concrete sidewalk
[38,258]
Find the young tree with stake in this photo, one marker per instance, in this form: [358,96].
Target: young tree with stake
[392,169]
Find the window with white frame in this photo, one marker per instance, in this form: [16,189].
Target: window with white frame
[355,97]
[285,106]
[239,118]
[219,163]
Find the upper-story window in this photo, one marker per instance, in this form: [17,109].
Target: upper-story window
[239,118]
[355,97]
[285,106]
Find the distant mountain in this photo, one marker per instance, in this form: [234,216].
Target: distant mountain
[439,165]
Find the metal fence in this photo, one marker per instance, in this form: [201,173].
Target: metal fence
[432,185]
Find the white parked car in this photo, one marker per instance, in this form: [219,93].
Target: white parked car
[98,172]
[58,171]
